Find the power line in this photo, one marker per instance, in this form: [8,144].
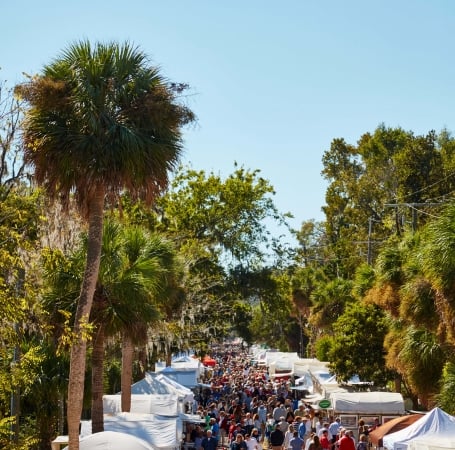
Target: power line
[413,207]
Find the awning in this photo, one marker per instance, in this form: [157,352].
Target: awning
[391,426]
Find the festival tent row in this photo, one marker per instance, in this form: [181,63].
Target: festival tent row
[157,412]
[433,431]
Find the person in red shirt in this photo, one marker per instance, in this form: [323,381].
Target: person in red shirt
[324,441]
[346,443]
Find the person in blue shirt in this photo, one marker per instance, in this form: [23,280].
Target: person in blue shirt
[238,443]
[296,443]
[334,428]
[215,429]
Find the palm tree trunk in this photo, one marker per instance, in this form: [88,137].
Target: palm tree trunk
[127,371]
[142,358]
[97,381]
[84,306]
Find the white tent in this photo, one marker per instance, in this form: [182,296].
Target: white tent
[154,394]
[436,428]
[432,442]
[111,440]
[186,362]
[304,365]
[184,393]
[165,404]
[380,403]
[285,358]
[159,432]
[185,376]
[160,383]
[186,370]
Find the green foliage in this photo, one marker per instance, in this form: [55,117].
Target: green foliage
[220,227]
[27,440]
[418,300]
[423,358]
[358,345]
[389,263]
[364,279]
[439,254]
[446,396]
[329,302]
[323,347]
[242,317]
[226,215]
[382,186]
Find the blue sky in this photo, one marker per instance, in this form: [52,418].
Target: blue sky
[272,83]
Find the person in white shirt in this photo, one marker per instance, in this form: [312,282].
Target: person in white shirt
[251,442]
[288,435]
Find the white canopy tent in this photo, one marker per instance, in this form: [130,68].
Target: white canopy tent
[185,369]
[284,358]
[304,365]
[185,376]
[157,383]
[380,403]
[111,440]
[433,441]
[160,432]
[165,404]
[258,354]
[154,394]
[436,428]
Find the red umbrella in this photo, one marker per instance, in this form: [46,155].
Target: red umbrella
[207,361]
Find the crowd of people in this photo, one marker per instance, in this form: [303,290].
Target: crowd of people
[242,408]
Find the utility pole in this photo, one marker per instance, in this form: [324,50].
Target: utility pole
[370,226]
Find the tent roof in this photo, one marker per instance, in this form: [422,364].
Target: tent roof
[435,422]
[158,383]
[391,426]
[388,403]
[151,384]
[431,441]
[112,440]
[158,432]
[183,358]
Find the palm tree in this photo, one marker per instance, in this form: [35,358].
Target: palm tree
[133,271]
[438,260]
[151,273]
[422,359]
[100,120]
